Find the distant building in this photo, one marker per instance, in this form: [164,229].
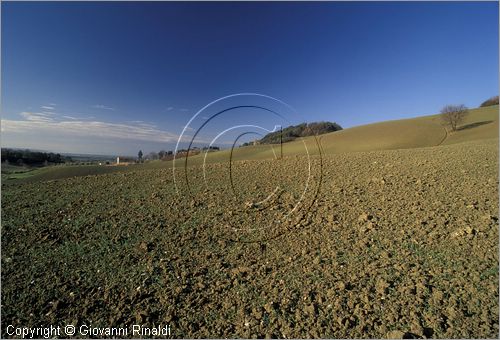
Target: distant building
[121,160]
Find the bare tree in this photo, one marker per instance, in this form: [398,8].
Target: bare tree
[453,115]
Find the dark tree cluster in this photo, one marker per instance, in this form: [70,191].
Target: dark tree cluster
[490,102]
[28,157]
[162,154]
[169,155]
[211,148]
[293,132]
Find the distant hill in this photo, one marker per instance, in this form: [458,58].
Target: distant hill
[419,132]
[490,102]
[293,132]
[425,131]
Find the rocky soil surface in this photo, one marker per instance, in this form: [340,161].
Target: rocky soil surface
[374,244]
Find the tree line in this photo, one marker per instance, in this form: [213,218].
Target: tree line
[169,155]
[490,102]
[28,157]
[293,132]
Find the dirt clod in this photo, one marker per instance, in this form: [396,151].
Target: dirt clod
[358,259]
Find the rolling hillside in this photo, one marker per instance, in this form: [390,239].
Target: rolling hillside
[418,132]
[426,131]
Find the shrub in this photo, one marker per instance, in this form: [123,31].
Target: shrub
[490,102]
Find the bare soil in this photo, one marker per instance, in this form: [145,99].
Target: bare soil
[382,244]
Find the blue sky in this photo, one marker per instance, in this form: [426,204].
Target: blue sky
[112,78]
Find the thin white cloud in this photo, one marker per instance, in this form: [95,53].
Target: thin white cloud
[147,125]
[142,123]
[46,107]
[40,123]
[78,116]
[37,116]
[170,108]
[102,107]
